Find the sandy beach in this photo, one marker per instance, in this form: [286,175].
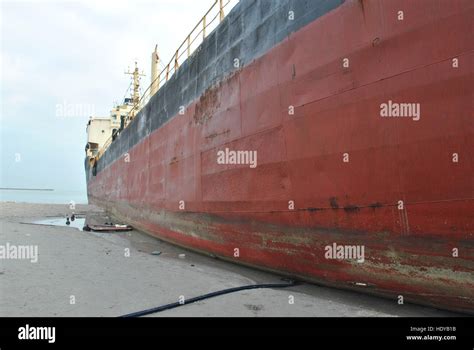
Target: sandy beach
[81,273]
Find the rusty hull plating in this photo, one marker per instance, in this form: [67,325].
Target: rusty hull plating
[390,185]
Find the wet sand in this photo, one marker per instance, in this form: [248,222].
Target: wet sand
[81,273]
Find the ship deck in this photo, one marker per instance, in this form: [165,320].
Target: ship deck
[93,269]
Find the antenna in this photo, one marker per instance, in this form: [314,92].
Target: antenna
[136,87]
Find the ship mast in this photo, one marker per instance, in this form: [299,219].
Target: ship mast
[136,89]
[155,75]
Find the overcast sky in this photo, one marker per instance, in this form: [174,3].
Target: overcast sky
[73,54]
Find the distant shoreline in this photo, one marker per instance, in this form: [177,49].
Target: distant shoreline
[26,189]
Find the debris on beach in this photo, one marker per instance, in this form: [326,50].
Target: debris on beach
[108,227]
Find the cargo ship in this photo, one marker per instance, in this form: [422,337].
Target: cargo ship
[326,140]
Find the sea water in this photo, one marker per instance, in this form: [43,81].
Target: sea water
[50,197]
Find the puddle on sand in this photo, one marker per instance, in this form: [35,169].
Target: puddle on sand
[60,221]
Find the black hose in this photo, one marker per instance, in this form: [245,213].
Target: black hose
[209,295]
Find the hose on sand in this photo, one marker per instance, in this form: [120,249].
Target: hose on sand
[290,283]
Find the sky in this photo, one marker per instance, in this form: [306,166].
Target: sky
[62,61]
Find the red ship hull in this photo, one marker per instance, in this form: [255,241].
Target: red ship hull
[401,188]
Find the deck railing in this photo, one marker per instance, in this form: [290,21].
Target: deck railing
[192,41]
